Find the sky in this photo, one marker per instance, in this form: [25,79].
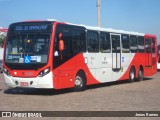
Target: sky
[131,15]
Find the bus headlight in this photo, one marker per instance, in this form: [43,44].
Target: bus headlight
[44,72]
[6,72]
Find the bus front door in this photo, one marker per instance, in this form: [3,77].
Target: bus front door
[116,52]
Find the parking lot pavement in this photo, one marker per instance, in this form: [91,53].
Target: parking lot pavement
[117,96]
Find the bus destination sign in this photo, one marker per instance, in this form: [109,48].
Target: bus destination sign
[43,27]
[31,28]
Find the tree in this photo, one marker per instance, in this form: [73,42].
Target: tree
[2,37]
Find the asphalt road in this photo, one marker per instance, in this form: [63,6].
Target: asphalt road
[117,96]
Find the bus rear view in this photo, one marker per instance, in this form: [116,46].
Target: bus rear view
[26,55]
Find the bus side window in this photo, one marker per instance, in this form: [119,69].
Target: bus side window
[105,46]
[153,46]
[133,44]
[125,44]
[148,45]
[67,39]
[92,42]
[140,44]
[78,41]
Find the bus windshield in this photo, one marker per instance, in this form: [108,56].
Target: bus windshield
[27,48]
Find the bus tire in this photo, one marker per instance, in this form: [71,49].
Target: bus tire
[80,82]
[140,75]
[132,75]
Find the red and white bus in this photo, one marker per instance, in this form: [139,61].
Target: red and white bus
[52,54]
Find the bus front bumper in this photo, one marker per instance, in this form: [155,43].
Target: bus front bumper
[36,82]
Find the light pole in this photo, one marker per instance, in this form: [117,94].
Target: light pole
[99,12]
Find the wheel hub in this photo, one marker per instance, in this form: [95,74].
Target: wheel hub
[132,75]
[78,82]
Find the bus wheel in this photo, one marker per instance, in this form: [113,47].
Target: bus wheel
[80,82]
[140,74]
[132,75]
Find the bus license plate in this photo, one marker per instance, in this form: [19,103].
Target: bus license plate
[23,83]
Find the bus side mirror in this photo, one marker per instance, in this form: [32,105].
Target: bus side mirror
[61,45]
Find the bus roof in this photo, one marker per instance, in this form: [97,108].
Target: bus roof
[107,29]
[114,30]
[96,28]
[150,35]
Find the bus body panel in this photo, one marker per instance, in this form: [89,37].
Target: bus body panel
[103,71]
[64,76]
[103,66]
[34,82]
[151,56]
